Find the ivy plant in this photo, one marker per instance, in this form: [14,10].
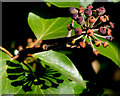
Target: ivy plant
[40,68]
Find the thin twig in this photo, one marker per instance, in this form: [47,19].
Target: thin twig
[45,45]
[6,51]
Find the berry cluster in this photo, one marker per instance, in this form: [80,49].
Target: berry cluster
[30,42]
[93,23]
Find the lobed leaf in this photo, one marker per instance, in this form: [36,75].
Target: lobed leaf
[45,29]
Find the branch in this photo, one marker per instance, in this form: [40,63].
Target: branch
[52,44]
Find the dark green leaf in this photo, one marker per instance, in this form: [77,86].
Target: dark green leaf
[110,51]
[61,63]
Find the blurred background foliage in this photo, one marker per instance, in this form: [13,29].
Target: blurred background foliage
[96,69]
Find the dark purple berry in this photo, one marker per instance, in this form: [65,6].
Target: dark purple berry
[78,31]
[72,10]
[88,12]
[89,6]
[75,16]
[102,30]
[80,20]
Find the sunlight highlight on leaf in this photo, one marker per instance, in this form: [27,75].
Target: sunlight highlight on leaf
[48,28]
[60,63]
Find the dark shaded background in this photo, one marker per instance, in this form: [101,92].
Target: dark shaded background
[15,28]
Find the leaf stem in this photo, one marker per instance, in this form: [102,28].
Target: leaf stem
[35,43]
[6,51]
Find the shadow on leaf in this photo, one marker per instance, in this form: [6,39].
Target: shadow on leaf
[43,75]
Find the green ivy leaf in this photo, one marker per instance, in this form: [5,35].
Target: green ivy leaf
[115,1]
[48,28]
[67,87]
[64,88]
[78,89]
[110,51]
[16,74]
[70,3]
[60,63]
[5,84]
[53,28]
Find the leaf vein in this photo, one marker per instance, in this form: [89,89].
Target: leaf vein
[3,72]
[57,28]
[49,27]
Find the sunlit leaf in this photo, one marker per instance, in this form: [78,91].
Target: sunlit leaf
[61,63]
[5,84]
[78,89]
[70,3]
[115,1]
[110,52]
[17,77]
[48,28]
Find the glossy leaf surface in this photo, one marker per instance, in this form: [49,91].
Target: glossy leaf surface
[61,63]
[48,28]
[110,51]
